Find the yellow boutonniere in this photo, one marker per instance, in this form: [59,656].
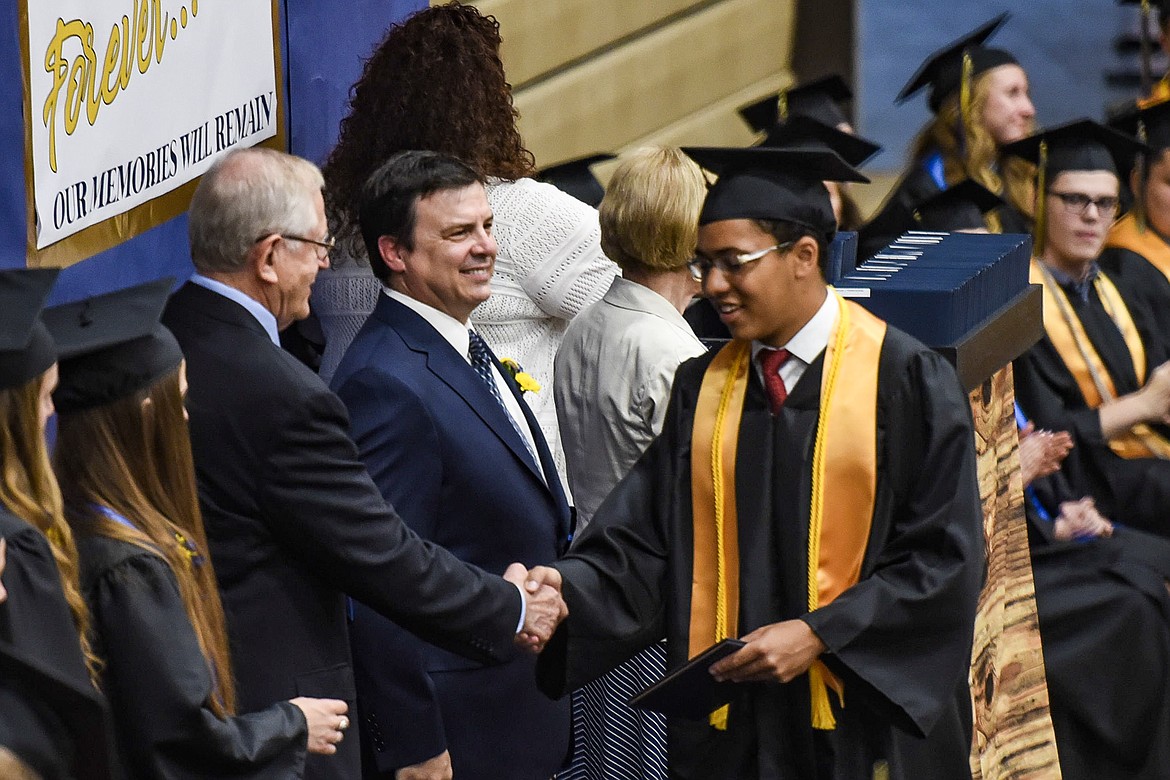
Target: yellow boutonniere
[522,378]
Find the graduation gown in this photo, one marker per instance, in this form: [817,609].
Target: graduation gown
[1104,616]
[900,639]
[1140,281]
[51,716]
[159,684]
[1136,489]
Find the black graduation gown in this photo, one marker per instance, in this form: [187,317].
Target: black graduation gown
[51,716]
[159,684]
[1138,280]
[1137,489]
[1104,616]
[900,639]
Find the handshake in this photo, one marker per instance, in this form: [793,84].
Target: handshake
[544,607]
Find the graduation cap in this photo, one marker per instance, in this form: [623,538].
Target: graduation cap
[820,99]
[26,348]
[1083,145]
[1150,125]
[805,132]
[952,68]
[960,207]
[576,178]
[762,182]
[112,345]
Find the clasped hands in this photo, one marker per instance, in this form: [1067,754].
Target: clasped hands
[545,609]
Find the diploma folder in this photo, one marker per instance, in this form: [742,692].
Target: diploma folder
[690,692]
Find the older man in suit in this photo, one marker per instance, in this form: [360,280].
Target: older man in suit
[450,442]
[293,520]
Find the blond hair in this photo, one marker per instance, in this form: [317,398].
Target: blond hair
[974,154]
[650,212]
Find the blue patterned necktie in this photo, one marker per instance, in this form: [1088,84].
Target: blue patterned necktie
[482,363]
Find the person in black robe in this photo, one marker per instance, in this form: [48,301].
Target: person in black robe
[963,140]
[899,638]
[124,465]
[1137,251]
[51,714]
[1103,604]
[1099,372]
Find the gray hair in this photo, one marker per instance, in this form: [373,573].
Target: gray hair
[246,195]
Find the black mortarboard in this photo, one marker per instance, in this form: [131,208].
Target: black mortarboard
[112,345]
[943,70]
[805,132]
[762,182]
[1083,145]
[1151,124]
[26,349]
[960,207]
[820,99]
[576,178]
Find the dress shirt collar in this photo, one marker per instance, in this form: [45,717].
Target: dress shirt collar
[266,318]
[812,339]
[452,330]
[632,296]
[1078,288]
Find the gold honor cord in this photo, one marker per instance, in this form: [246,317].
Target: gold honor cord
[840,520]
[1068,337]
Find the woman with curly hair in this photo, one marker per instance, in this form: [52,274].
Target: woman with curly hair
[979,97]
[123,459]
[50,709]
[436,83]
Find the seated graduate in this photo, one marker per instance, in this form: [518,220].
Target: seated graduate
[1137,252]
[1103,604]
[979,98]
[1097,373]
[123,458]
[813,491]
[51,714]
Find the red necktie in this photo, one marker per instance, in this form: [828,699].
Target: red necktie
[770,362]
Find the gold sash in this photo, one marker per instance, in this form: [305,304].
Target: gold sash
[1067,334]
[1125,234]
[844,455]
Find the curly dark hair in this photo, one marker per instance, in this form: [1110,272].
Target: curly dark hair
[435,83]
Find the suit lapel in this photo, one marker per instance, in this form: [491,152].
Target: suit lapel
[450,368]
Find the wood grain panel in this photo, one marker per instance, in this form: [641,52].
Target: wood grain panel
[672,74]
[542,35]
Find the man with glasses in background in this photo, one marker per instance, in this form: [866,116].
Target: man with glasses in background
[1100,371]
[813,493]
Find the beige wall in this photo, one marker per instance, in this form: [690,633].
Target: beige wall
[610,75]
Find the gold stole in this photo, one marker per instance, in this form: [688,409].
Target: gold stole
[844,456]
[1125,234]
[1067,334]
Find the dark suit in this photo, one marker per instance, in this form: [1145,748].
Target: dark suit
[293,522]
[442,450]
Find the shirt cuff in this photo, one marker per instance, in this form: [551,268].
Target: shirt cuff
[523,608]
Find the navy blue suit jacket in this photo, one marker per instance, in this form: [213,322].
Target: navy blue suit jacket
[442,450]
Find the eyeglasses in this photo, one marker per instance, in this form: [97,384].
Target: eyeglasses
[326,243]
[1078,203]
[701,266]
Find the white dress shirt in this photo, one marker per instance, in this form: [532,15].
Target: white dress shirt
[803,348]
[254,307]
[613,377]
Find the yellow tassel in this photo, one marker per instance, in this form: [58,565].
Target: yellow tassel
[782,106]
[965,92]
[822,712]
[719,717]
[1139,197]
[1041,198]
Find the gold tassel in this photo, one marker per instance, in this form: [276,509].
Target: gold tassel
[965,92]
[782,106]
[822,712]
[1146,71]
[1041,199]
[1139,197]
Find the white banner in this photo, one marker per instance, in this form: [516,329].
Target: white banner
[133,98]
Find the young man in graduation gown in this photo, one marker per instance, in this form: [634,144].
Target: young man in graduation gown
[1099,371]
[817,435]
[1137,252]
